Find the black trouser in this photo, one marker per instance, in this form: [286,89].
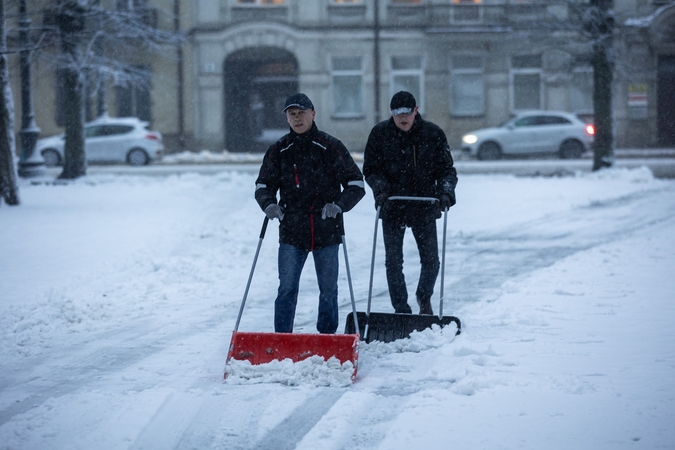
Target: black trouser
[427,245]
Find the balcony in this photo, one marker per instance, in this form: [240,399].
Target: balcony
[433,17]
[259,13]
[460,17]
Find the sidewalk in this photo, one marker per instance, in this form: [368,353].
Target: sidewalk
[660,161]
[208,157]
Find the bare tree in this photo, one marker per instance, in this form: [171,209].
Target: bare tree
[71,22]
[95,40]
[9,190]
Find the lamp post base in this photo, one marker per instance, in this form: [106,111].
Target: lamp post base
[31,169]
[31,163]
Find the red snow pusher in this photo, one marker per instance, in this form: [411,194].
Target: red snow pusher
[388,327]
[261,348]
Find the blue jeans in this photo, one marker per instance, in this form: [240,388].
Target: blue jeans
[291,261]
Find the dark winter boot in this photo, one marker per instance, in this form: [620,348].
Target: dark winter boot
[403,309]
[425,307]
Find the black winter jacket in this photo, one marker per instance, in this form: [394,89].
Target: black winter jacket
[415,163]
[309,170]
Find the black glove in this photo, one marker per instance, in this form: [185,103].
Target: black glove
[447,201]
[274,211]
[380,199]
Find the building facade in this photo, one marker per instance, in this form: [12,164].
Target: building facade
[470,63]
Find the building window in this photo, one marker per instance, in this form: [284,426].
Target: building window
[581,91]
[347,86]
[526,85]
[133,97]
[466,11]
[139,10]
[407,75]
[403,2]
[467,89]
[131,5]
[340,2]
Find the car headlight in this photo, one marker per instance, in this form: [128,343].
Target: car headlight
[469,138]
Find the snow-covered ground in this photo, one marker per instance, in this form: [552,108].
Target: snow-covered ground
[118,295]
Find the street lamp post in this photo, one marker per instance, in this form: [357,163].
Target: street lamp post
[181,87]
[31,164]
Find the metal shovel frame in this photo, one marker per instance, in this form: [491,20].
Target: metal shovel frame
[388,327]
[261,348]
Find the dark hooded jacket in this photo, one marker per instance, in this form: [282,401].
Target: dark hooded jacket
[309,170]
[415,163]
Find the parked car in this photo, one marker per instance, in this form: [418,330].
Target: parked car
[536,132]
[121,140]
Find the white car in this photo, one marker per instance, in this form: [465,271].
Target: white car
[536,132]
[112,140]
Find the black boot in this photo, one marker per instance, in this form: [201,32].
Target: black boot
[403,309]
[425,307]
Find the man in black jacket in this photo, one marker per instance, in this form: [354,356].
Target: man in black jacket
[317,181]
[408,156]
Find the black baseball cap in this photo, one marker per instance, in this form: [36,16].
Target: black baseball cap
[402,103]
[298,100]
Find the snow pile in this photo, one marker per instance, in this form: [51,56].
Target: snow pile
[209,157]
[419,341]
[314,371]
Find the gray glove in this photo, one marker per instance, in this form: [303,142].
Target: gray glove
[274,211]
[330,210]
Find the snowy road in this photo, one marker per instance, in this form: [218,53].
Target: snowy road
[115,325]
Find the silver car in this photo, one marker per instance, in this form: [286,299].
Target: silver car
[111,140]
[536,132]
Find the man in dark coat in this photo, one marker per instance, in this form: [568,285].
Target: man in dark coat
[317,181]
[409,156]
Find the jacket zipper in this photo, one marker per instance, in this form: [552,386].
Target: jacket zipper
[311,216]
[414,156]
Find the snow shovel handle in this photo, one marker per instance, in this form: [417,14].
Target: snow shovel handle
[414,199]
[250,276]
[445,227]
[351,289]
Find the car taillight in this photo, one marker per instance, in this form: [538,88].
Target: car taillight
[152,137]
[590,129]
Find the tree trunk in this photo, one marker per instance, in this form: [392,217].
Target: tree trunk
[71,19]
[603,147]
[9,190]
[603,69]
[74,161]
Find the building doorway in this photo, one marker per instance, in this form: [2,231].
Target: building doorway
[666,101]
[257,82]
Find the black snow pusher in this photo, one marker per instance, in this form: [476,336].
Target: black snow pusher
[388,327]
[261,348]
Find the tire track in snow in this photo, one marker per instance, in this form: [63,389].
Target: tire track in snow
[480,264]
[291,430]
[78,368]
